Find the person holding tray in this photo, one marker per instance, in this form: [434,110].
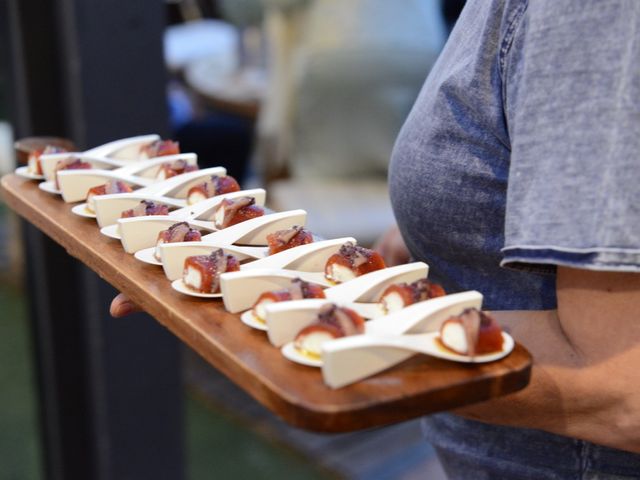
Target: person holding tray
[516,174]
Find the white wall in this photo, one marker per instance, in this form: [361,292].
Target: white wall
[7,157]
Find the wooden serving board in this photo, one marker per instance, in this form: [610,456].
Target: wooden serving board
[419,386]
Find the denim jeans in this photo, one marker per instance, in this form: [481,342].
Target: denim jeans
[470,450]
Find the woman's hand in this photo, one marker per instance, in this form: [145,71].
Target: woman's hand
[121,306]
[392,247]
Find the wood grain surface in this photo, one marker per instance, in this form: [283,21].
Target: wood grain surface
[296,393]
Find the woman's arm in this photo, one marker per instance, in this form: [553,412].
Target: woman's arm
[586,374]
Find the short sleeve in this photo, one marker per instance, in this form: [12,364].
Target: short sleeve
[572,103]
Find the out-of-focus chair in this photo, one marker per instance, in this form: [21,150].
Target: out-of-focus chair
[217,81]
[343,75]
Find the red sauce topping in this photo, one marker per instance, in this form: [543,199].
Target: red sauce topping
[161,148]
[285,239]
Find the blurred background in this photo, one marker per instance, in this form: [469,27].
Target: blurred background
[303,97]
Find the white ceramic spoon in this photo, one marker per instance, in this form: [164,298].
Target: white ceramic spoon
[172,191]
[315,277]
[242,253]
[50,161]
[250,232]
[360,294]
[49,185]
[369,287]
[242,289]
[147,169]
[285,319]
[340,354]
[342,358]
[24,172]
[124,148]
[312,277]
[150,168]
[307,310]
[179,286]
[82,210]
[139,233]
[423,317]
[148,255]
[114,154]
[113,230]
[250,320]
[75,184]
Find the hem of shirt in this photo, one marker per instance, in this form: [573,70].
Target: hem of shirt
[545,259]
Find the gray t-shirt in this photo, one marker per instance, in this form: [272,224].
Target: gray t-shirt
[522,151]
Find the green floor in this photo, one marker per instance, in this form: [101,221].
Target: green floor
[215,443]
[19,445]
